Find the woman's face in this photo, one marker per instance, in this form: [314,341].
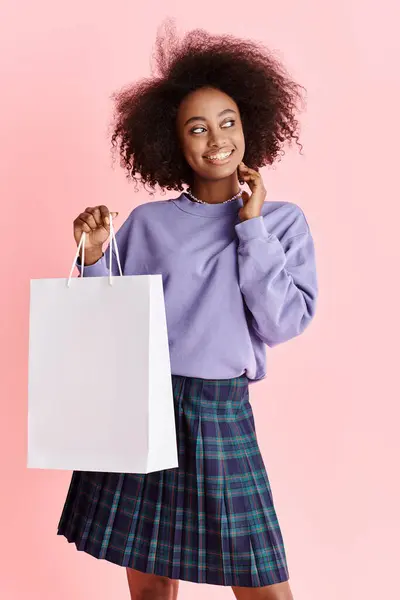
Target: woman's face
[210,133]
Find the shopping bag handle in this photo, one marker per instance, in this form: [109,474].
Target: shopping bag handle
[81,245]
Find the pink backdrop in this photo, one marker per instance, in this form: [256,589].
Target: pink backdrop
[328,413]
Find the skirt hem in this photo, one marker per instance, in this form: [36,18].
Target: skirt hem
[158,571]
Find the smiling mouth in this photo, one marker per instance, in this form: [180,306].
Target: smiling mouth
[220,157]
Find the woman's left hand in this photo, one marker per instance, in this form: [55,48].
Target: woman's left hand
[252,204]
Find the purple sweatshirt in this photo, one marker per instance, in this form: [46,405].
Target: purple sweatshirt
[230,287]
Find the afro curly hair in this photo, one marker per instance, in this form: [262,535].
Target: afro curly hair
[144,127]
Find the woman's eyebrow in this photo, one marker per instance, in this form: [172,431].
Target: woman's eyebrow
[203,118]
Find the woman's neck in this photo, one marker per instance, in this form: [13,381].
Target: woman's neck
[214,192]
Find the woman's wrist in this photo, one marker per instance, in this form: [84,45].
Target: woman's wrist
[91,256]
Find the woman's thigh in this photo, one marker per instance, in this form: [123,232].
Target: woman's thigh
[277,591]
[145,586]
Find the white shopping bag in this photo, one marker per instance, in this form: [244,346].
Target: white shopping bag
[100,388]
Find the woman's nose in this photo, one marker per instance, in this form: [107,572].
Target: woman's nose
[217,139]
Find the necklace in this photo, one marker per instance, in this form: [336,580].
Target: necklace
[235,197]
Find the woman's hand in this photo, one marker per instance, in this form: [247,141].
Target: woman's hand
[95,222]
[252,204]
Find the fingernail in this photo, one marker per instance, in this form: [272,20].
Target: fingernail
[107,220]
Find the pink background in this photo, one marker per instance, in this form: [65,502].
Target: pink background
[328,413]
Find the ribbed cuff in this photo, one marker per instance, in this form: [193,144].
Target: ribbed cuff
[98,269]
[252,229]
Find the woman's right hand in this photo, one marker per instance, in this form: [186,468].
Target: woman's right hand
[95,222]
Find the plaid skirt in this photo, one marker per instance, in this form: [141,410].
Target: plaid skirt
[211,520]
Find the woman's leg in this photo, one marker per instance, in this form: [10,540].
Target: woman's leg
[277,591]
[145,586]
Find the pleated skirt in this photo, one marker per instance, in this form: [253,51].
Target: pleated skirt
[211,520]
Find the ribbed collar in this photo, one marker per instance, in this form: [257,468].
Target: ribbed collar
[207,210]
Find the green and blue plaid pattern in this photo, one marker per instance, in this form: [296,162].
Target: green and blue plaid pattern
[211,520]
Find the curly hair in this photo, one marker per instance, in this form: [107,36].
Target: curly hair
[144,128]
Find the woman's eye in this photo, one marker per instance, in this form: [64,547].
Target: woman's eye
[199,128]
[195,129]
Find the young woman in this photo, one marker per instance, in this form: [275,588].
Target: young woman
[239,273]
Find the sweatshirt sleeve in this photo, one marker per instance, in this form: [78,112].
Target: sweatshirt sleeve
[277,278]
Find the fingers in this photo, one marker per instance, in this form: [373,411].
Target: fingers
[251,177]
[247,172]
[104,215]
[81,225]
[94,218]
[88,218]
[96,214]
[101,215]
